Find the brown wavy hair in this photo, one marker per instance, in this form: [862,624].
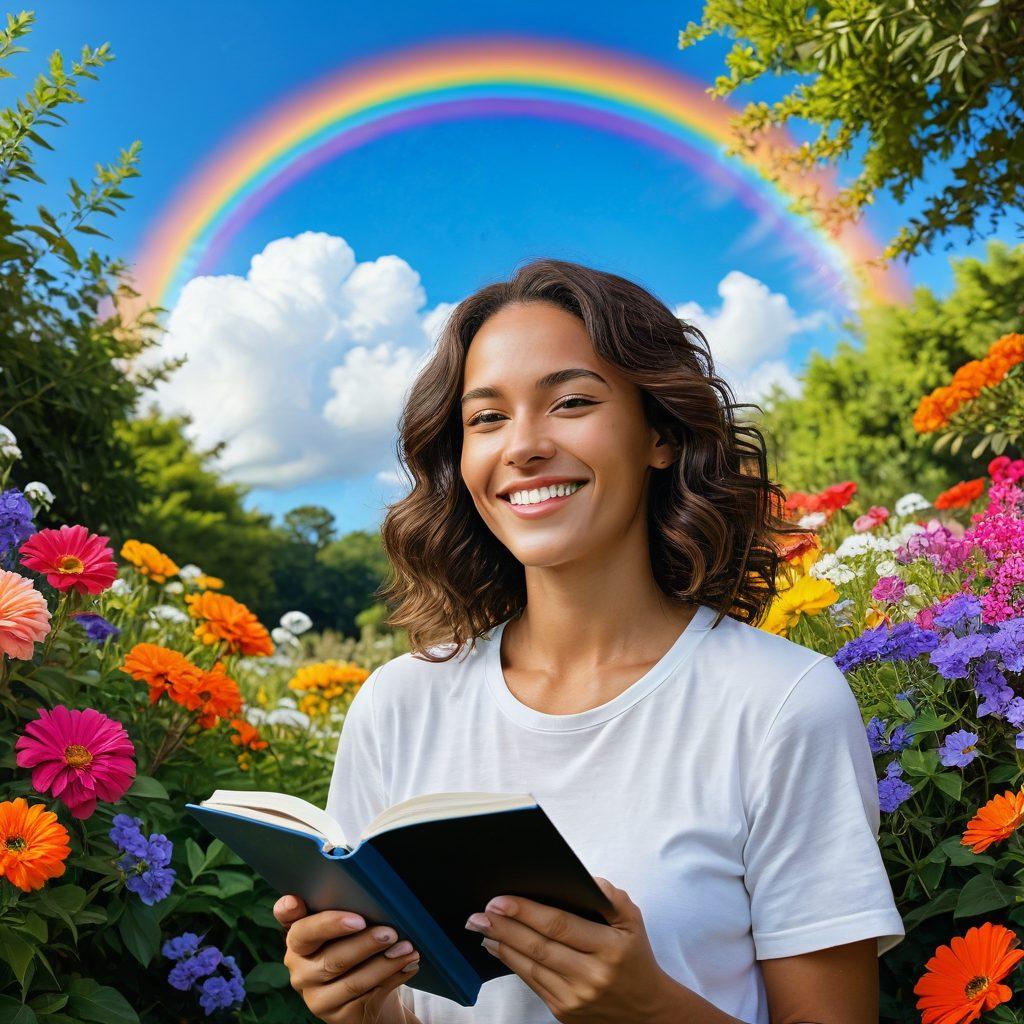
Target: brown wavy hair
[713,514]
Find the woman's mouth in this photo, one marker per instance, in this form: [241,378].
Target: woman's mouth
[542,508]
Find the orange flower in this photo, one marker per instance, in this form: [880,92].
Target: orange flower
[214,694]
[962,980]
[33,844]
[247,736]
[205,582]
[961,495]
[995,821]
[159,667]
[148,560]
[224,618]
[24,617]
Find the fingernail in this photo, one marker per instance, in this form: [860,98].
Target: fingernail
[385,935]
[499,905]
[353,921]
[477,922]
[286,903]
[399,948]
[410,967]
[490,945]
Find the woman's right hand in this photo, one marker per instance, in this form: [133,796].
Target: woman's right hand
[341,968]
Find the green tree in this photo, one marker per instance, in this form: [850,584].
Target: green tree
[63,383]
[192,515]
[916,85]
[852,420]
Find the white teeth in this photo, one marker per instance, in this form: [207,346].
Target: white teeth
[542,494]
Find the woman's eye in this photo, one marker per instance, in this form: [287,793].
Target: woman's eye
[564,404]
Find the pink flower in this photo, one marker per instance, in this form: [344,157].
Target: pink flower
[875,516]
[889,589]
[71,557]
[77,756]
[24,617]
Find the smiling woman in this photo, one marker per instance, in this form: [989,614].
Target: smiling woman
[581,564]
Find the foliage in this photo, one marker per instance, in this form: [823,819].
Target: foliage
[853,417]
[913,85]
[64,386]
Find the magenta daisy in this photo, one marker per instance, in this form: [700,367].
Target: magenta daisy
[77,756]
[71,557]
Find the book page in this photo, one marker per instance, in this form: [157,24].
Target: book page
[279,809]
[438,806]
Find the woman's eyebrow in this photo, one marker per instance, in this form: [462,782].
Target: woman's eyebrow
[549,380]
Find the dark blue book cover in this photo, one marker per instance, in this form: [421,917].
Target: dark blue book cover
[424,879]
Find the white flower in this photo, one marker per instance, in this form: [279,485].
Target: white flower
[911,503]
[828,567]
[283,638]
[121,587]
[887,567]
[174,587]
[37,491]
[167,613]
[256,665]
[812,520]
[7,436]
[255,716]
[859,544]
[10,451]
[190,572]
[287,702]
[296,622]
[913,590]
[288,716]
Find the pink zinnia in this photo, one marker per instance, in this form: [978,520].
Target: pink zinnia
[77,756]
[71,557]
[24,617]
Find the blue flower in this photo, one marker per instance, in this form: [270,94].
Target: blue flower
[958,748]
[184,945]
[15,523]
[196,969]
[144,861]
[96,627]
[892,790]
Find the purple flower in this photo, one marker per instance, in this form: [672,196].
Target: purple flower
[145,860]
[160,849]
[889,589]
[903,642]
[1008,642]
[899,740]
[861,648]
[127,836]
[189,969]
[217,991]
[959,610]
[151,884]
[958,748]
[96,627]
[892,790]
[15,523]
[953,656]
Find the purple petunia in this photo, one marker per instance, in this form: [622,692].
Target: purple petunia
[16,524]
[903,642]
[958,749]
[900,739]
[96,627]
[145,860]
[195,971]
[892,790]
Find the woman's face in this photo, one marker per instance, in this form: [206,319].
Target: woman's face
[588,427]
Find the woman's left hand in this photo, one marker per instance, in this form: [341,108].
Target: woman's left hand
[584,971]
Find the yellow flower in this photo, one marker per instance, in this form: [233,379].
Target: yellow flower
[807,596]
[326,681]
[261,697]
[148,560]
[209,582]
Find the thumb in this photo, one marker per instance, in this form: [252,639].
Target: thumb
[288,910]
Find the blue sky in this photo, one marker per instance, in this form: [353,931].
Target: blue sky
[421,218]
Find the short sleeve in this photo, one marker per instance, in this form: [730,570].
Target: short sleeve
[812,864]
[356,794]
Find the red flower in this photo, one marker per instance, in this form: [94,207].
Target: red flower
[71,557]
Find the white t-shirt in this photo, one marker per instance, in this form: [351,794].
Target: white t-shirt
[730,791]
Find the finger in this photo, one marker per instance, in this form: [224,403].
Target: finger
[625,908]
[311,932]
[538,948]
[343,955]
[549,985]
[288,910]
[564,927]
[359,983]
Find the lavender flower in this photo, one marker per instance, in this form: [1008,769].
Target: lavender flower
[195,970]
[900,739]
[892,790]
[15,523]
[96,627]
[144,861]
[958,748]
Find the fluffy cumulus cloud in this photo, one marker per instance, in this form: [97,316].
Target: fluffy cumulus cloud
[302,365]
[750,333]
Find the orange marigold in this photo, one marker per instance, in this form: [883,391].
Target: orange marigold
[994,821]
[214,694]
[205,582]
[33,844]
[962,494]
[963,978]
[159,667]
[224,618]
[325,681]
[246,735]
[148,560]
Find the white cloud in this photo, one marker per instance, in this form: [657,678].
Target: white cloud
[302,365]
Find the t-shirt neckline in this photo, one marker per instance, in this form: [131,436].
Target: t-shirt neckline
[531,718]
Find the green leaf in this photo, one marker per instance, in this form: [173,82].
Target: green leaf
[147,788]
[949,782]
[928,721]
[216,855]
[943,903]
[48,1002]
[13,1012]
[919,762]
[139,931]
[981,894]
[266,976]
[16,952]
[92,1002]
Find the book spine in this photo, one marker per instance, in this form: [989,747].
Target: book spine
[427,934]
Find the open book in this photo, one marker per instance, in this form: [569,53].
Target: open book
[422,866]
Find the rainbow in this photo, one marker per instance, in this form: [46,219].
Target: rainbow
[485,77]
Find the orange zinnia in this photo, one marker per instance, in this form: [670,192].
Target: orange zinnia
[995,821]
[224,618]
[148,560]
[961,495]
[963,978]
[247,735]
[159,667]
[33,844]
[214,694]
